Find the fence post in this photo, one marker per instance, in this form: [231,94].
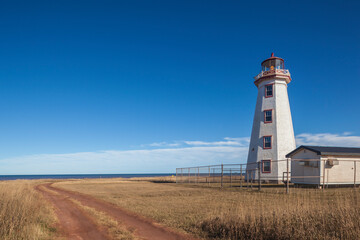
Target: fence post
[287,176]
[354,174]
[222,174]
[214,175]
[177,176]
[240,176]
[197,179]
[189,174]
[247,178]
[251,181]
[327,178]
[323,188]
[230,178]
[182,175]
[259,175]
[209,176]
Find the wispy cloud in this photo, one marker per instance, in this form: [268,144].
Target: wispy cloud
[161,157]
[328,139]
[132,161]
[162,144]
[227,141]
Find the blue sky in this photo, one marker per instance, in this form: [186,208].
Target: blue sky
[147,86]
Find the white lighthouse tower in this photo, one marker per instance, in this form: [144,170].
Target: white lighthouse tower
[272,135]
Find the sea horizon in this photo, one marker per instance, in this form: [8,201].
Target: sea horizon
[80,176]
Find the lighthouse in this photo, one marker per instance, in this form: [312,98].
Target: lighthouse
[272,135]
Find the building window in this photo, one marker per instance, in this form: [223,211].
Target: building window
[269,90]
[266,166]
[267,142]
[268,116]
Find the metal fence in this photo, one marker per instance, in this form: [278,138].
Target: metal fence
[321,173]
[224,174]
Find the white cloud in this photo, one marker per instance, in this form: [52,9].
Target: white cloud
[131,161]
[163,144]
[328,139]
[228,141]
[219,143]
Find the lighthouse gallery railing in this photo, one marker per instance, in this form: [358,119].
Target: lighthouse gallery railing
[271,72]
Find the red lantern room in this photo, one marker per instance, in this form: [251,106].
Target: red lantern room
[273,68]
[272,63]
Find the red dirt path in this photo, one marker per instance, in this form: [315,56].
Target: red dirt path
[75,222]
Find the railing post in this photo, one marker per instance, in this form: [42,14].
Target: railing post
[222,174]
[287,176]
[240,176]
[230,178]
[259,175]
[176,176]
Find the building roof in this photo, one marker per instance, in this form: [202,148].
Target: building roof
[319,150]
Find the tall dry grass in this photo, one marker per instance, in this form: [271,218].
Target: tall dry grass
[24,214]
[234,213]
[338,220]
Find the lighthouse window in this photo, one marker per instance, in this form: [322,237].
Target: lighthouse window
[269,90]
[268,116]
[267,142]
[266,166]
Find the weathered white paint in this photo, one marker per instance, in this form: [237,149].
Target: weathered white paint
[281,128]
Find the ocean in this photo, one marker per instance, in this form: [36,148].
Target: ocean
[82,176]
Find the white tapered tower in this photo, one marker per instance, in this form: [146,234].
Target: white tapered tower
[272,135]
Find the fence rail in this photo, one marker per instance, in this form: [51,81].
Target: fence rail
[316,172]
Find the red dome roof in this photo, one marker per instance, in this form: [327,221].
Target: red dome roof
[272,57]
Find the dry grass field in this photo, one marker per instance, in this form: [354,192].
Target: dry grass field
[24,214]
[213,213]
[208,213]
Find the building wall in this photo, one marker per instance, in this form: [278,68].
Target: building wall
[284,126]
[298,170]
[343,173]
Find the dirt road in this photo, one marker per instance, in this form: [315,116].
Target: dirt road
[76,224]
[73,223]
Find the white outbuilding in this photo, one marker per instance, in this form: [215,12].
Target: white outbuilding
[324,166]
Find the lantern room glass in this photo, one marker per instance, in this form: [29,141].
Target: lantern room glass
[272,64]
